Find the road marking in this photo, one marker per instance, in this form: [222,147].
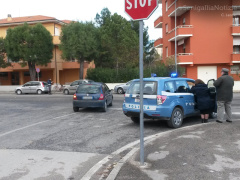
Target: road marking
[25,127]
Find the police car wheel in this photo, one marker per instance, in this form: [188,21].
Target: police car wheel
[135,119]
[66,92]
[176,118]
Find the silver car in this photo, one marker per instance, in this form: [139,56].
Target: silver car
[35,87]
[71,89]
[122,88]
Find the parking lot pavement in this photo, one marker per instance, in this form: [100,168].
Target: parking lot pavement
[204,151]
[34,164]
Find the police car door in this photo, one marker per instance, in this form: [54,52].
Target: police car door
[186,98]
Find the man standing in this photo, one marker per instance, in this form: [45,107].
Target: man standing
[224,86]
[49,86]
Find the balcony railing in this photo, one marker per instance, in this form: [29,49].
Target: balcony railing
[183,32]
[158,43]
[236,30]
[158,22]
[236,57]
[185,58]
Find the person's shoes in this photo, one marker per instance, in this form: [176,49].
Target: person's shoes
[205,120]
[219,121]
[202,120]
[229,121]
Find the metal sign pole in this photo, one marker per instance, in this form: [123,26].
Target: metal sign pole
[38,76]
[141,91]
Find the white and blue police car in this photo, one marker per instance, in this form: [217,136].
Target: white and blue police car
[164,98]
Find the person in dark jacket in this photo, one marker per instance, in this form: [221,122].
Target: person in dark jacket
[224,86]
[49,86]
[203,99]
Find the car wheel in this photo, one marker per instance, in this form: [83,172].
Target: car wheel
[176,118]
[39,91]
[135,119]
[120,90]
[212,115]
[75,109]
[111,102]
[105,107]
[66,92]
[19,92]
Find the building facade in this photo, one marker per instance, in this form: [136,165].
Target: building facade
[58,70]
[204,34]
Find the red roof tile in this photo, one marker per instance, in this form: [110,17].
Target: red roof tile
[26,19]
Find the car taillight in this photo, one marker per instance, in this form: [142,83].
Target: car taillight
[75,97]
[42,84]
[101,97]
[161,99]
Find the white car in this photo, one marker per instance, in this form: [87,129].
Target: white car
[36,87]
[122,88]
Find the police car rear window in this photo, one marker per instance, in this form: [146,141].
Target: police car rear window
[149,88]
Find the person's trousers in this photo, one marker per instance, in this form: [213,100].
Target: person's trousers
[49,89]
[224,106]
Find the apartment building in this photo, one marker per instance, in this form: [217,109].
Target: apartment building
[58,70]
[205,35]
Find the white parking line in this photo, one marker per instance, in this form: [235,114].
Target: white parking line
[25,127]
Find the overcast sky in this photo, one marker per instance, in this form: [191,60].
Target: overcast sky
[81,10]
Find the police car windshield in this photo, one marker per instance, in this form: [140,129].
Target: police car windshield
[149,88]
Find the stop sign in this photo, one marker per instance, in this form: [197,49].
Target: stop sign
[140,9]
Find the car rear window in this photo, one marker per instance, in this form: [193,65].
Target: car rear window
[149,88]
[89,89]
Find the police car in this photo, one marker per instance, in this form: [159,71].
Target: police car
[164,98]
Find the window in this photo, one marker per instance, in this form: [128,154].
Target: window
[166,28]
[235,69]
[56,31]
[166,5]
[184,21]
[169,87]
[149,88]
[236,49]
[184,48]
[166,51]
[182,86]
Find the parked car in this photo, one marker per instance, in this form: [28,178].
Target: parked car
[71,89]
[37,87]
[122,88]
[163,98]
[92,95]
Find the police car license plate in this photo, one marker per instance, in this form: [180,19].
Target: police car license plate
[137,100]
[87,97]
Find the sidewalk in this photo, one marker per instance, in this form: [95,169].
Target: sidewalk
[205,151]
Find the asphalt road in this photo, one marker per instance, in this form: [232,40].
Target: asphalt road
[41,133]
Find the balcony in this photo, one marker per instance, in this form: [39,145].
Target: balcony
[158,43]
[70,65]
[181,9]
[185,58]
[236,30]
[158,22]
[235,57]
[56,40]
[183,32]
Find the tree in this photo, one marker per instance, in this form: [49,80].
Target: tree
[78,41]
[119,41]
[3,63]
[29,45]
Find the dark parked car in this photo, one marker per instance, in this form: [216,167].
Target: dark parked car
[92,94]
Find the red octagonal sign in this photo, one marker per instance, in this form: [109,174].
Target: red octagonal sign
[140,9]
